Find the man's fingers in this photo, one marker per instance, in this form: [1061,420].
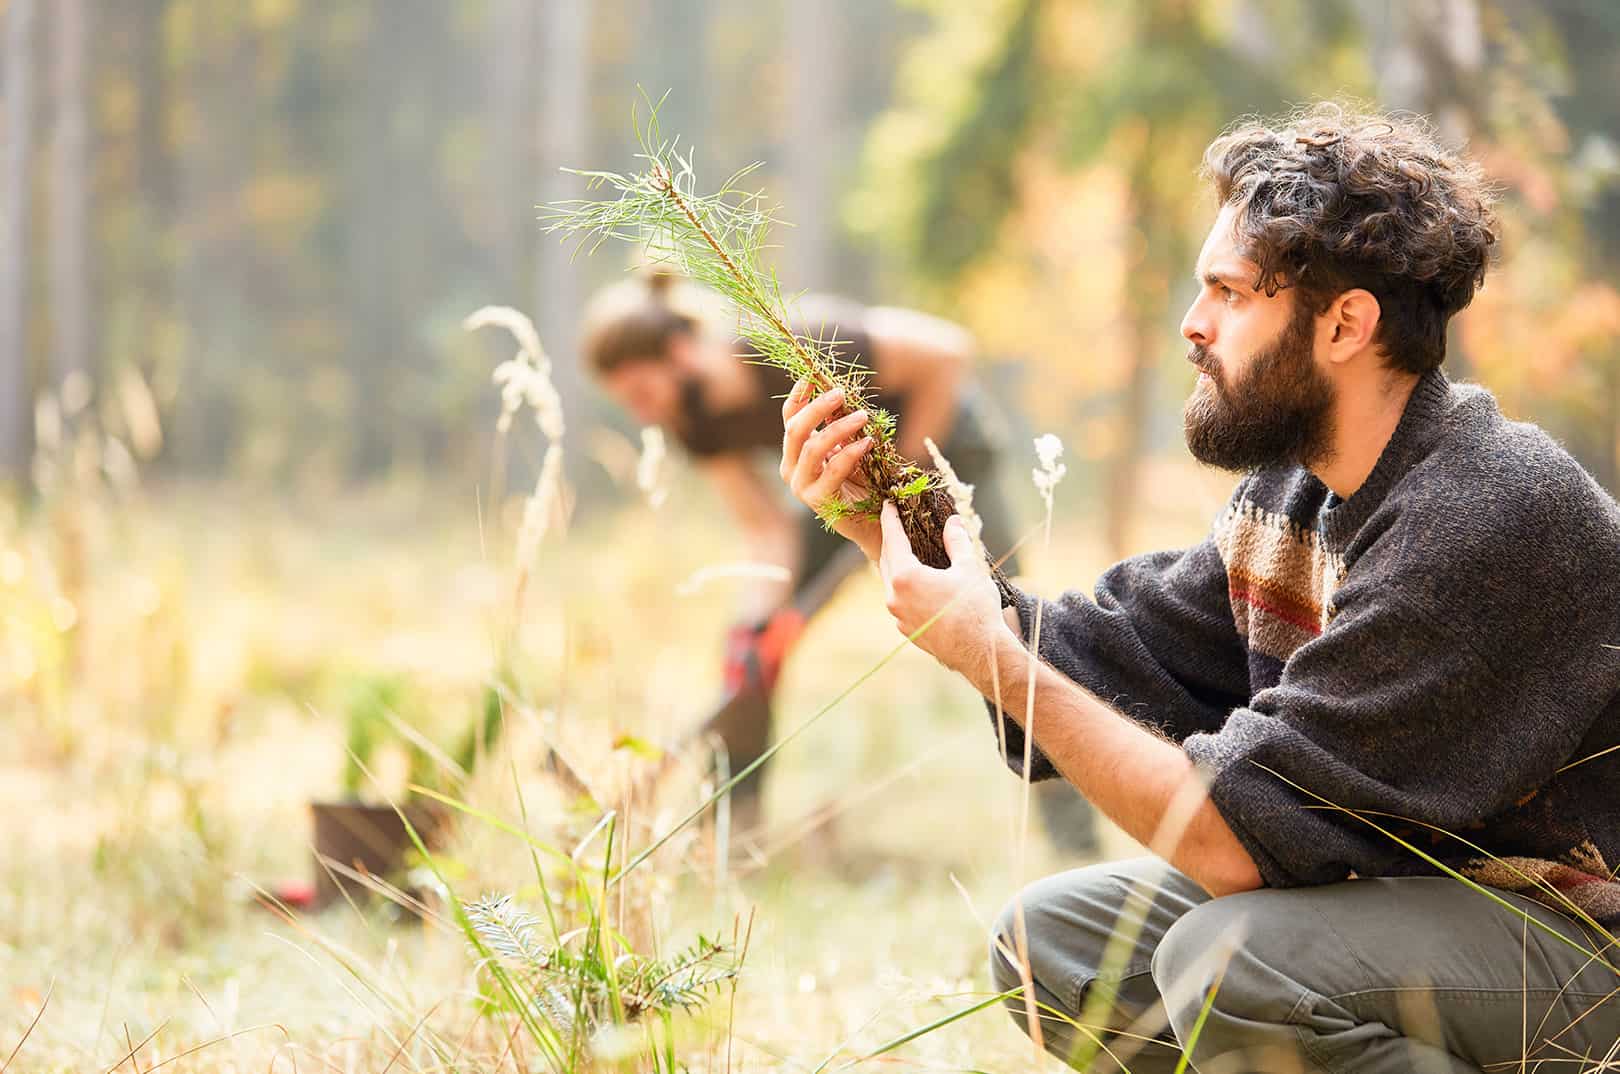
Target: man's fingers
[796,399]
[958,543]
[896,545]
[820,445]
[797,428]
[824,441]
[839,469]
[888,521]
[893,529]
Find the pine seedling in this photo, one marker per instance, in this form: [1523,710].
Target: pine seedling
[718,240]
[590,985]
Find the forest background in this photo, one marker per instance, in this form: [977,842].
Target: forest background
[248,450]
[274,214]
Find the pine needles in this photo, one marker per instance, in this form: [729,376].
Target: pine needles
[718,241]
[591,992]
[568,986]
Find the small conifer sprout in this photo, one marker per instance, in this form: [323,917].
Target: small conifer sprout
[570,985]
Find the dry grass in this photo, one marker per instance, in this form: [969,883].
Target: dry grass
[173,736]
[175,669]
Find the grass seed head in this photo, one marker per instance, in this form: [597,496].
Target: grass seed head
[961,494]
[1048,471]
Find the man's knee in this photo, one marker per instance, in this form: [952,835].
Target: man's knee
[1235,958]
[1217,942]
[1059,925]
[1064,926]
[1004,969]
[1022,933]
[1189,954]
[1082,926]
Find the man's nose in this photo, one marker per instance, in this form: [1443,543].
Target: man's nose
[1195,325]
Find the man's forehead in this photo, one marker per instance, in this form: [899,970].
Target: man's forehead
[1220,258]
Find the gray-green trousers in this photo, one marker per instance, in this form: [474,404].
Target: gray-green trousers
[1385,975]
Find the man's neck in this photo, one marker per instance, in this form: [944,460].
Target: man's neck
[1364,420]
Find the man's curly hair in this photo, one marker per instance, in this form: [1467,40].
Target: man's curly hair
[1330,199]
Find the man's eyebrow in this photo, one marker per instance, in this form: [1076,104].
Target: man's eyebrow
[1220,276]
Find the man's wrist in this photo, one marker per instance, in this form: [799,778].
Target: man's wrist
[996,658]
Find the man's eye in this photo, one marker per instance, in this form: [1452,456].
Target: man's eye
[1228,295]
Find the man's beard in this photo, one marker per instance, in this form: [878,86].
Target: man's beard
[1280,412]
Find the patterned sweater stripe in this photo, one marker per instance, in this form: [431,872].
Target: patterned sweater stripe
[1439,647]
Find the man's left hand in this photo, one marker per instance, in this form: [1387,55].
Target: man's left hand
[963,596]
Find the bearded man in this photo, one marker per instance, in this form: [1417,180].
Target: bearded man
[1370,725]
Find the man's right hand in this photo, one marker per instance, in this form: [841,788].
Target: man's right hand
[821,458]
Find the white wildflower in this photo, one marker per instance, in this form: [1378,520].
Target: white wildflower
[515,322]
[540,506]
[523,382]
[525,379]
[513,378]
[961,495]
[649,467]
[1050,471]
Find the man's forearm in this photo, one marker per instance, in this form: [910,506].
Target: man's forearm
[931,412]
[1143,783]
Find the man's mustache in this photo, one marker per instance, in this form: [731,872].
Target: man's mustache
[1205,362]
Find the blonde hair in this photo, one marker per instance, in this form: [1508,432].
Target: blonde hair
[634,320]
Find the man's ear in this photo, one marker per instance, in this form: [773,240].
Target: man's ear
[1352,322]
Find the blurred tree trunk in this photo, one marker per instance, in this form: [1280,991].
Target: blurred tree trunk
[150,277]
[211,275]
[814,54]
[674,58]
[379,184]
[154,168]
[564,49]
[1427,58]
[69,198]
[15,395]
[510,133]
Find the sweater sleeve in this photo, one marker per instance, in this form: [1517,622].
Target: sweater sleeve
[1158,642]
[1444,690]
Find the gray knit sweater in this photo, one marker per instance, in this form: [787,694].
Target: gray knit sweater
[1437,648]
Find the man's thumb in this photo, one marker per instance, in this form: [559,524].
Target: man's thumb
[958,544]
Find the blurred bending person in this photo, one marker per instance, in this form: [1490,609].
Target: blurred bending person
[656,344]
